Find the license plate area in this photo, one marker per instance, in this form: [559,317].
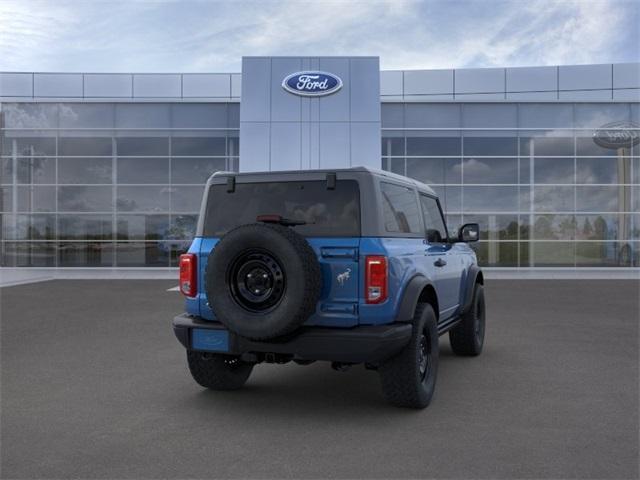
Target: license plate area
[210,340]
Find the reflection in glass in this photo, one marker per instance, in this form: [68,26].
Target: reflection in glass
[606,254]
[546,146]
[490,146]
[186,199]
[553,170]
[29,146]
[435,170]
[142,146]
[198,146]
[553,199]
[36,199]
[603,170]
[554,227]
[142,254]
[490,170]
[143,227]
[392,146]
[85,227]
[84,146]
[143,199]
[494,254]
[433,146]
[552,254]
[29,227]
[600,198]
[36,170]
[85,170]
[85,199]
[143,170]
[80,254]
[28,254]
[491,199]
[495,227]
[195,170]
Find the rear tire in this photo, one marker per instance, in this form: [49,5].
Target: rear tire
[218,372]
[467,338]
[409,378]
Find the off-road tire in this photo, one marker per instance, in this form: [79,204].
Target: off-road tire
[299,268]
[218,372]
[467,337]
[403,384]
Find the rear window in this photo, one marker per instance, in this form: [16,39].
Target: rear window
[328,213]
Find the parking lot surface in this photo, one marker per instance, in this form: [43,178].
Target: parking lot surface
[94,385]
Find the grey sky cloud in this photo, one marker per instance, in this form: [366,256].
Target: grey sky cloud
[199,36]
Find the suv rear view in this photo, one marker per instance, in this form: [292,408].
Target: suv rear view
[339,266]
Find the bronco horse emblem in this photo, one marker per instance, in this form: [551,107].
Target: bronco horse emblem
[343,277]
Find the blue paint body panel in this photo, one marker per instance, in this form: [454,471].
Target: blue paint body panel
[342,301]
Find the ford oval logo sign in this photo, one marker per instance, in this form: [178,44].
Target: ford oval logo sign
[617,135]
[312,84]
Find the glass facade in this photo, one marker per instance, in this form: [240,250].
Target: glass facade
[543,191]
[120,184]
[108,184]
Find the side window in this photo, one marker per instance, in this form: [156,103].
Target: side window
[433,221]
[400,209]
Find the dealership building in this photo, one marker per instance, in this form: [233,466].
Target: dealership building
[108,170]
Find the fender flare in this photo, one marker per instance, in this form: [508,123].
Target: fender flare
[467,294]
[410,298]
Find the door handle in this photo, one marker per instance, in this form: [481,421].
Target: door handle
[440,263]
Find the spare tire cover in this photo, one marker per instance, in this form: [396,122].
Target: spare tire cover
[262,280]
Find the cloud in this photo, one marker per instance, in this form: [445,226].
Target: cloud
[144,36]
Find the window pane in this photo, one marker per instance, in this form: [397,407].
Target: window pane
[79,254]
[186,199]
[199,115]
[86,115]
[85,227]
[553,170]
[554,227]
[400,209]
[396,165]
[603,226]
[599,199]
[598,114]
[544,115]
[435,170]
[392,146]
[143,199]
[553,199]
[85,170]
[546,146]
[198,146]
[29,146]
[490,170]
[36,170]
[183,226]
[142,146]
[36,199]
[28,227]
[495,227]
[450,198]
[31,254]
[491,199]
[432,115]
[434,223]
[195,170]
[6,171]
[602,170]
[552,254]
[496,254]
[143,227]
[139,254]
[434,146]
[142,116]
[606,254]
[392,115]
[143,170]
[587,147]
[85,199]
[30,115]
[489,146]
[81,146]
[327,212]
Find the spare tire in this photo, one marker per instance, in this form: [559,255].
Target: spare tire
[263,280]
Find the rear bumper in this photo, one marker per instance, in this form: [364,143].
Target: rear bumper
[369,344]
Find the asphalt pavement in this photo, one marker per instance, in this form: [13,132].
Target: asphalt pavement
[94,385]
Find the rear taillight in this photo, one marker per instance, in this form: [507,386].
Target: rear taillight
[188,272]
[375,281]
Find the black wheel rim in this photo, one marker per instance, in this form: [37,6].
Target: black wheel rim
[256,280]
[424,357]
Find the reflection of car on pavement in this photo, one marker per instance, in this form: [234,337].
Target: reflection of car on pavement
[347,266]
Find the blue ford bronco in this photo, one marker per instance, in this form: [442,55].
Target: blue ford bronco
[348,266]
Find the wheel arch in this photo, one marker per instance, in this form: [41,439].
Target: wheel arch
[420,289]
[474,275]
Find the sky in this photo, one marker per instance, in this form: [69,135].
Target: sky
[212,36]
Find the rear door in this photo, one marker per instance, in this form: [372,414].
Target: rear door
[330,222]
